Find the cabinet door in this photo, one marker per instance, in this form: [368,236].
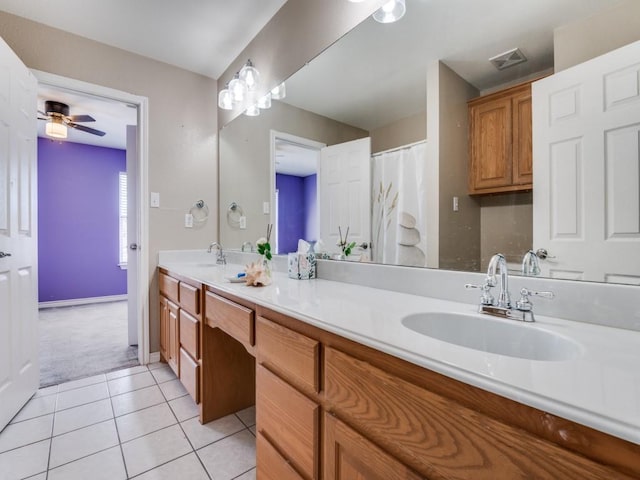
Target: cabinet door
[350,456]
[173,346]
[490,145]
[522,139]
[164,328]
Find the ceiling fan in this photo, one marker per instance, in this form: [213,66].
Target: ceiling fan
[58,119]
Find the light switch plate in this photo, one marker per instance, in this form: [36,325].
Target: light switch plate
[243,222]
[265,208]
[188,220]
[155,199]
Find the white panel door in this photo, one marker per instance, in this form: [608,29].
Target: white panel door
[344,190]
[586,172]
[19,371]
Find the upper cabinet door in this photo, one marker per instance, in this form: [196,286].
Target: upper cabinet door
[500,158]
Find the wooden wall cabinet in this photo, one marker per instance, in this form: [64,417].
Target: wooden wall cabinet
[500,141]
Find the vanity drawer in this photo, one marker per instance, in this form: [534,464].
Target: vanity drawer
[293,356]
[230,317]
[168,286]
[189,334]
[190,375]
[190,298]
[271,465]
[289,420]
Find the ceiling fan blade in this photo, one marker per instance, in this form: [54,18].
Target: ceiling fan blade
[42,113]
[81,118]
[82,128]
[43,118]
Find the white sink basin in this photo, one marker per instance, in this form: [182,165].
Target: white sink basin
[488,334]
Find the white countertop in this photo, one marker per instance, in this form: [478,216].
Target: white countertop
[600,388]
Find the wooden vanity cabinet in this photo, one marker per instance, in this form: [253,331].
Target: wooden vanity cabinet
[500,141]
[180,325]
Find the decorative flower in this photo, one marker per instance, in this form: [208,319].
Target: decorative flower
[343,244]
[263,246]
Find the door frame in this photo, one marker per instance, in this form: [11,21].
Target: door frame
[275,135]
[142,105]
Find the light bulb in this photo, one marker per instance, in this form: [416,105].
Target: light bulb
[238,89]
[56,128]
[250,76]
[279,92]
[225,99]
[392,11]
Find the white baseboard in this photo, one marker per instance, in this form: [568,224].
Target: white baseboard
[82,301]
[154,357]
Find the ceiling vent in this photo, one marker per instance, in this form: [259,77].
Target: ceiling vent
[508,59]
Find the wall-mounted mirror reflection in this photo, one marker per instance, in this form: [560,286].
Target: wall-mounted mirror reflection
[450,177]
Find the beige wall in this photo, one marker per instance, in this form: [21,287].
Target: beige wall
[596,35]
[245,162]
[459,232]
[403,132]
[182,128]
[507,226]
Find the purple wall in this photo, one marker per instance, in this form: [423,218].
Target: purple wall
[311,207]
[297,212]
[78,221]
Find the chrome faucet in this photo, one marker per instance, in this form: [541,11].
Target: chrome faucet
[220,258]
[249,245]
[530,264]
[523,310]
[498,262]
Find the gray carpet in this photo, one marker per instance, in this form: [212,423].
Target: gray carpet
[83,340]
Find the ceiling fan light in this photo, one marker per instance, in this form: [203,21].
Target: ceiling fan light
[55,128]
[252,111]
[238,89]
[390,12]
[279,92]
[265,101]
[225,99]
[250,76]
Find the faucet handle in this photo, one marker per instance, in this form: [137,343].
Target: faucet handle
[486,298]
[524,304]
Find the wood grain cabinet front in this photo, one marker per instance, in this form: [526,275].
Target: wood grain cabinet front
[190,375]
[190,298]
[169,287]
[348,455]
[295,357]
[232,318]
[500,142]
[271,465]
[190,334]
[289,420]
[173,337]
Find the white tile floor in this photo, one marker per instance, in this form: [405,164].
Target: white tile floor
[134,423]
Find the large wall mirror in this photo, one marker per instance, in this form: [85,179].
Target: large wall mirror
[406,87]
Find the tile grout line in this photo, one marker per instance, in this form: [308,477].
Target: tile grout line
[124,462]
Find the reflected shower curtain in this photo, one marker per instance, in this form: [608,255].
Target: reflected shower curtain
[398,206]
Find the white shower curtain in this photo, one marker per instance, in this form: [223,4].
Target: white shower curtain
[398,206]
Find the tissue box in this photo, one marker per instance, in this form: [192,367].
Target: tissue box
[302,266]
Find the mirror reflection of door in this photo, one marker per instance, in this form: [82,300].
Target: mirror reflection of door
[344,193]
[296,205]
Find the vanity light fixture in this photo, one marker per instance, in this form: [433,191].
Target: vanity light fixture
[225,99]
[238,89]
[56,128]
[279,92]
[390,12]
[250,76]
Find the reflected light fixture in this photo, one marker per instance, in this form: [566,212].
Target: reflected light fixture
[265,102]
[279,92]
[356,1]
[250,76]
[392,11]
[56,128]
[252,111]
